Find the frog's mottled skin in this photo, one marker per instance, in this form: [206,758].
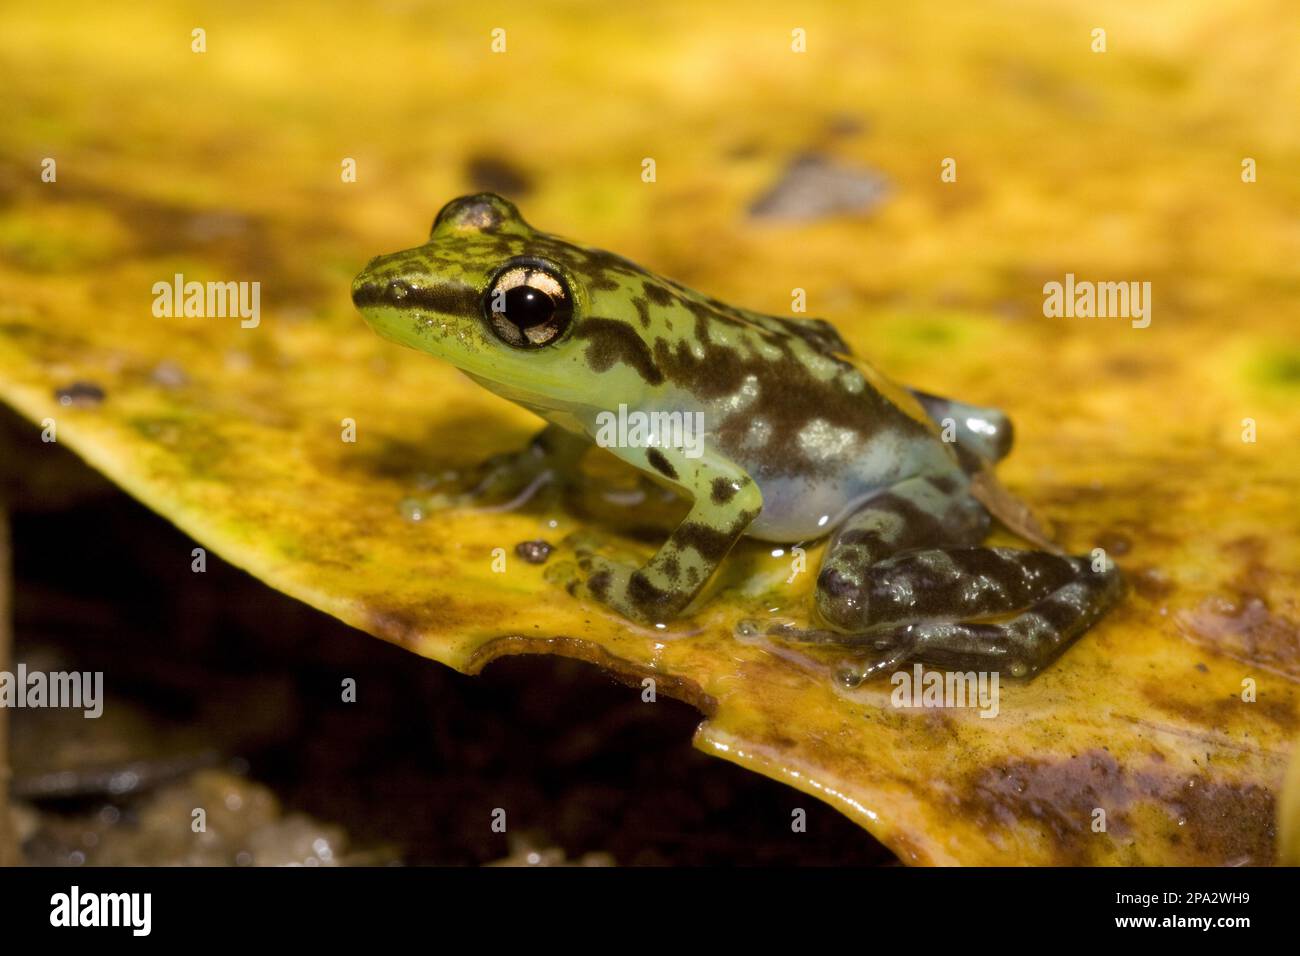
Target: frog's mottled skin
[801,440]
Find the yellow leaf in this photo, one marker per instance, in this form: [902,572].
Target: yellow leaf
[1171,722]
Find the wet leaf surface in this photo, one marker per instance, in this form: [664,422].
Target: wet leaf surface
[225,166]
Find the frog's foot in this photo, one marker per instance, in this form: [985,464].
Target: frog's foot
[873,653]
[967,609]
[637,593]
[607,582]
[902,579]
[726,500]
[592,575]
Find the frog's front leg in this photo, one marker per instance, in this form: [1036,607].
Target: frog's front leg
[726,500]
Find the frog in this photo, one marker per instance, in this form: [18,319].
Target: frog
[799,440]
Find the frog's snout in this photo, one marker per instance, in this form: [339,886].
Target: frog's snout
[368,290]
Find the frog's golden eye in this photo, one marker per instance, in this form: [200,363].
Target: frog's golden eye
[528,305]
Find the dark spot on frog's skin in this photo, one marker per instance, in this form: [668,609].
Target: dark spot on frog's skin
[598,584]
[613,341]
[645,595]
[722,370]
[80,395]
[833,584]
[722,490]
[671,567]
[704,316]
[657,293]
[534,552]
[661,464]
[447,298]
[496,175]
[944,484]
[602,282]
[642,310]
[599,269]
[820,335]
[710,543]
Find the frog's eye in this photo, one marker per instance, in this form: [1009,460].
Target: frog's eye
[528,305]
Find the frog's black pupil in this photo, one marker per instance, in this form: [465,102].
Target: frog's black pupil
[527,307]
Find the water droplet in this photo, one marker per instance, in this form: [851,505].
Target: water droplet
[849,675]
[412,509]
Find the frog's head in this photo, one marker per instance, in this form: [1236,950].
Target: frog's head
[491,295]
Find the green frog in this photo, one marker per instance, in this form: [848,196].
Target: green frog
[788,437]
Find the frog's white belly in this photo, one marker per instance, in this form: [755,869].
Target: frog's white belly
[797,509]
[806,507]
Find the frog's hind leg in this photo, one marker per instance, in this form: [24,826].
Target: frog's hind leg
[980,609]
[985,433]
[903,580]
[921,512]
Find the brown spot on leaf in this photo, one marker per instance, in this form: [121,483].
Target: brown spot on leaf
[1225,821]
[80,395]
[1246,629]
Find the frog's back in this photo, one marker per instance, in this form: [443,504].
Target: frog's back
[818,429]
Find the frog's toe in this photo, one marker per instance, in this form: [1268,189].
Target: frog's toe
[598,578]
[852,671]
